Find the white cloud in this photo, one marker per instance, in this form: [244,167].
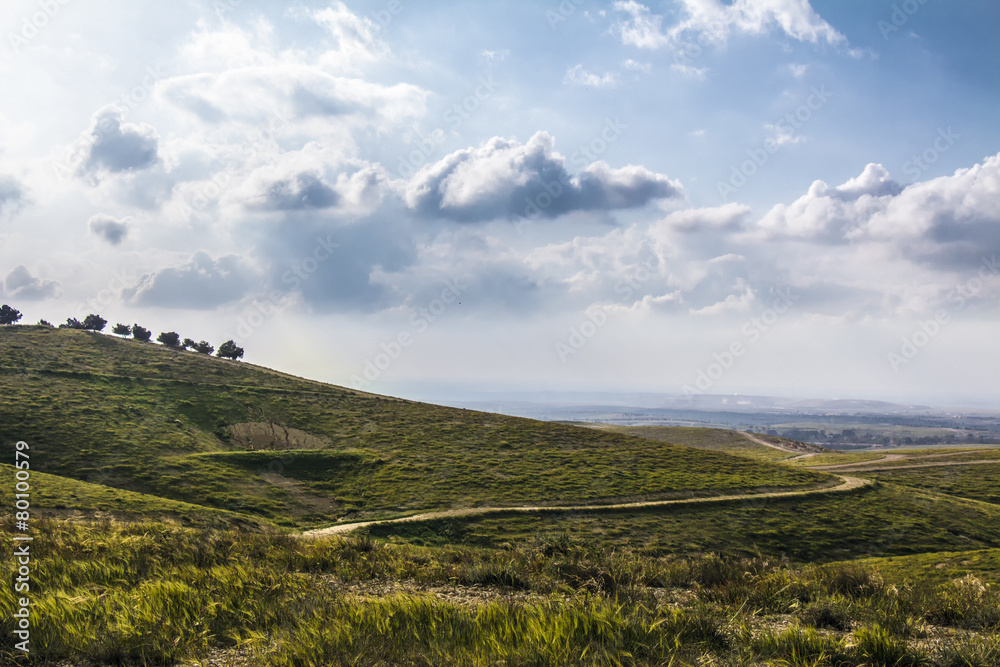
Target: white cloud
[690,72]
[507,179]
[729,217]
[783,136]
[948,222]
[297,90]
[635,66]
[643,29]
[711,21]
[356,37]
[578,76]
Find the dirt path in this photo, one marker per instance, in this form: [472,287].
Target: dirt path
[888,458]
[867,466]
[848,484]
[752,438]
[810,450]
[885,459]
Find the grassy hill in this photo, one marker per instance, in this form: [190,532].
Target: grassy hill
[152,420]
[166,485]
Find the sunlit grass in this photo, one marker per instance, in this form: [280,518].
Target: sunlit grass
[154,593]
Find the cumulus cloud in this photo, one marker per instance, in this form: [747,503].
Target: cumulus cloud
[833,215]
[707,21]
[201,283]
[872,247]
[115,146]
[109,228]
[507,179]
[20,284]
[948,222]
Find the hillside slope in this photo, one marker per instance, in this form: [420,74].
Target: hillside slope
[144,418]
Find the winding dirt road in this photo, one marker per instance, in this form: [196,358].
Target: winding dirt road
[805,447]
[848,484]
[867,467]
[876,464]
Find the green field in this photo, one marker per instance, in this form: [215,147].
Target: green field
[169,491]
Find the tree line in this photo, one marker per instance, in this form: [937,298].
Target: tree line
[93,322]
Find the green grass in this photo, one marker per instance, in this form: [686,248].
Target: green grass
[887,520]
[158,594]
[54,496]
[978,482]
[144,418]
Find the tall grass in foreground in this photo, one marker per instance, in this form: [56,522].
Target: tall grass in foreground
[156,594]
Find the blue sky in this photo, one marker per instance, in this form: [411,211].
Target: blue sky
[774,196]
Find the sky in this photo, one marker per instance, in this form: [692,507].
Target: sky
[777,197]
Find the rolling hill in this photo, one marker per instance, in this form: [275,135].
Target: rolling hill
[231,436]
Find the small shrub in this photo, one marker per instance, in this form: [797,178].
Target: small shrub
[879,648]
[966,602]
[362,544]
[850,580]
[832,614]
